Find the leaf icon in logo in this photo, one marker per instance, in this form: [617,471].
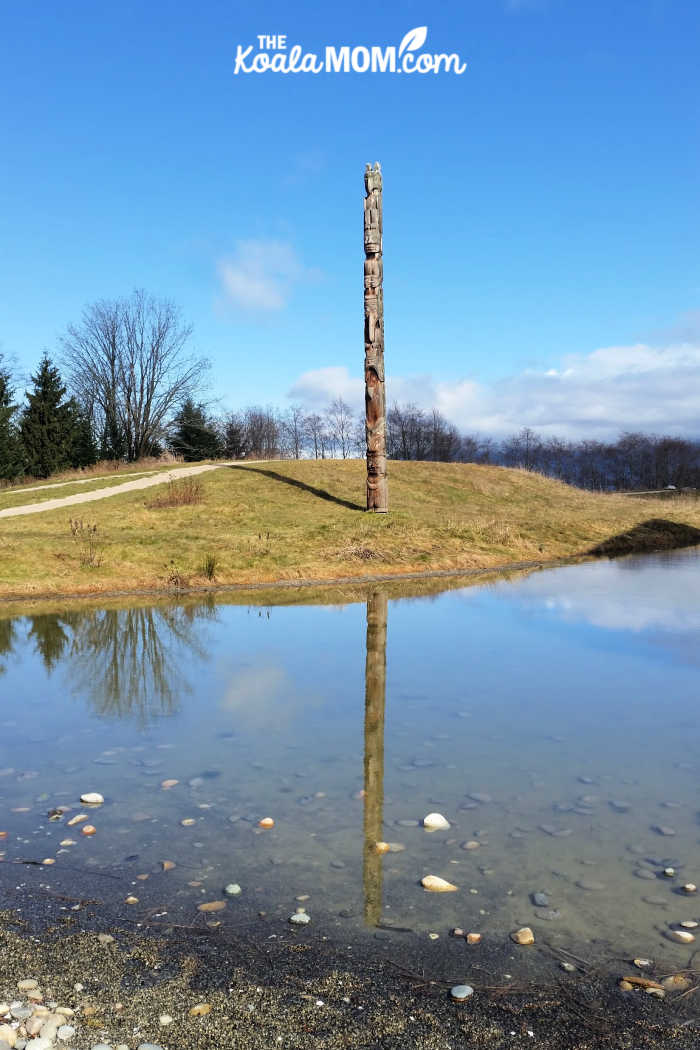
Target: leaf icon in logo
[414,39]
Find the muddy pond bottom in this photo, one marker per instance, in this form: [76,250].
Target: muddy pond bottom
[279,762]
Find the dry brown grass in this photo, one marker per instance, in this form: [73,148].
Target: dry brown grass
[184,492]
[288,521]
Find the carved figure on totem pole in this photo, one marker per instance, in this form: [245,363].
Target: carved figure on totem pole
[375,397]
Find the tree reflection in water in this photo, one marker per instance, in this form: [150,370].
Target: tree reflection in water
[8,637]
[127,663]
[130,662]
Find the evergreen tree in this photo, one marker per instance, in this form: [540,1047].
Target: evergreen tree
[11,460]
[47,423]
[194,436]
[83,449]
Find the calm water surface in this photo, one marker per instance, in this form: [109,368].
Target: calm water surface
[552,720]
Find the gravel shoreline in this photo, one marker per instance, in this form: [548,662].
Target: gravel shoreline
[262,986]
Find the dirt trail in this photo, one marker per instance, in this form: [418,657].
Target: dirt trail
[116,490]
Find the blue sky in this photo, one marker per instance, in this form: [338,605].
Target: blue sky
[541,209]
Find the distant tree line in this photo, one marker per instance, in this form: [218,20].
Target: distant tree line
[128,387]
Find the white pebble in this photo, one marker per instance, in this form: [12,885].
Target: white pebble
[435,822]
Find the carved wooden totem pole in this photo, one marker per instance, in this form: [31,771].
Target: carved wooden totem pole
[375,398]
[375,691]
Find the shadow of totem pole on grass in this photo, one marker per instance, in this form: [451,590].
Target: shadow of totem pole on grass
[375,695]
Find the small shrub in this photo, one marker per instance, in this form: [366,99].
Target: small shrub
[176,579]
[179,494]
[89,544]
[209,566]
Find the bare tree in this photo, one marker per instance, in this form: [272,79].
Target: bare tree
[128,365]
[316,434]
[294,427]
[340,425]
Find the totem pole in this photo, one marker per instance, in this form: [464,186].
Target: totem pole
[375,689]
[375,399]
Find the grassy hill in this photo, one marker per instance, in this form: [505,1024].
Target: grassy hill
[289,520]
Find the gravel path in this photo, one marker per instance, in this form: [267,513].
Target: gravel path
[116,490]
[21,489]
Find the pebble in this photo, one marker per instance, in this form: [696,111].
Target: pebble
[681,936]
[27,985]
[568,967]
[167,784]
[396,847]
[131,899]
[232,889]
[42,1043]
[188,822]
[212,906]
[619,807]
[407,823]
[471,844]
[88,829]
[105,938]
[675,983]
[690,887]
[65,1032]
[557,833]
[473,938]
[688,924]
[643,964]
[266,822]
[663,829]
[165,1019]
[434,884]
[77,819]
[541,900]
[548,914]
[150,1046]
[200,1010]
[644,873]
[8,1034]
[435,822]
[92,798]
[479,796]
[460,992]
[590,885]
[300,918]
[523,936]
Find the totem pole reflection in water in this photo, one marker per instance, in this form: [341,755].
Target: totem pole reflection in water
[375,695]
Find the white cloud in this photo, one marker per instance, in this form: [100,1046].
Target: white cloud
[597,395]
[261,275]
[634,595]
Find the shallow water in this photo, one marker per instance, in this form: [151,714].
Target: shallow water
[552,720]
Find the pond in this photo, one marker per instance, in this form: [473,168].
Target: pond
[550,718]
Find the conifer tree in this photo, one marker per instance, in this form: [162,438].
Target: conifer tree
[46,425]
[194,437]
[11,460]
